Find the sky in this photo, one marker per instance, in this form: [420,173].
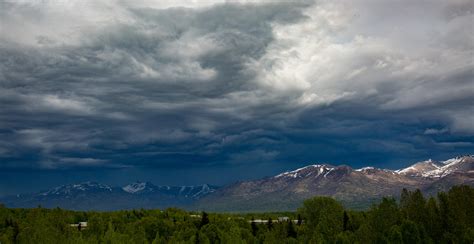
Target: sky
[193,92]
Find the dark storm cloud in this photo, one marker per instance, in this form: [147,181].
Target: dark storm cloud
[117,85]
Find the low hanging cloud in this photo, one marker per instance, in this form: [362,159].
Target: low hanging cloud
[141,84]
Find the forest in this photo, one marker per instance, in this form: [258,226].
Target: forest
[447,217]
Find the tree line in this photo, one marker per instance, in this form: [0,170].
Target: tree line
[414,218]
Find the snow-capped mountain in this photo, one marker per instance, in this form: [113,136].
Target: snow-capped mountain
[314,170]
[356,188]
[418,169]
[85,187]
[140,187]
[434,169]
[194,192]
[97,196]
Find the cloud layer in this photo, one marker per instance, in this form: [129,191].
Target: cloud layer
[126,84]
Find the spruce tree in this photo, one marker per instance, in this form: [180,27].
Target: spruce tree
[270,223]
[254,227]
[300,221]
[345,220]
[290,230]
[204,219]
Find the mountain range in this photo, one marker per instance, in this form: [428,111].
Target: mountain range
[97,196]
[355,188]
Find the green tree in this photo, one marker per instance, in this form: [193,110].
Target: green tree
[290,230]
[323,216]
[159,239]
[364,234]
[270,223]
[254,227]
[383,216]
[410,232]
[213,233]
[345,220]
[343,238]
[204,220]
[199,238]
[395,235]
[459,212]
[413,205]
[433,222]
[113,237]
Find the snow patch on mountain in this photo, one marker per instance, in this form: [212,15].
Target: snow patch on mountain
[308,171]
[205,189]
[77,188]
[364,169]
[179,191]
[433,169]
[135,187]
[428,168]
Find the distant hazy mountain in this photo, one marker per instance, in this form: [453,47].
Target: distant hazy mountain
[356,188]
[96,196]
[185,192]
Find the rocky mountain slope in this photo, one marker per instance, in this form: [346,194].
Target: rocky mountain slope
[356,188]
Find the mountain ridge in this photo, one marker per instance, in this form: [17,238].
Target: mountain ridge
[97,196]
[356,188]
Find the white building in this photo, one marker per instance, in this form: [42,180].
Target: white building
[82,224]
